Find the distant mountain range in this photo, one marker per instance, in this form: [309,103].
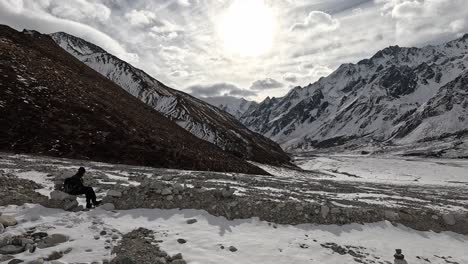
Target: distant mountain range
[399,96]
[196,116]
[233,105]
[53,104]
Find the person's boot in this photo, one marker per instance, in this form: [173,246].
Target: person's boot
[89,206]
[97,203]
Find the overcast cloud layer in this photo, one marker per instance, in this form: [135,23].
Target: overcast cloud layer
[177,41]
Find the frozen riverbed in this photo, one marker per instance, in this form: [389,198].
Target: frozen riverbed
[389,169]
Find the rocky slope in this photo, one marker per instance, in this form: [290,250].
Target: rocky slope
[399,96]
[52,103]
[199,118]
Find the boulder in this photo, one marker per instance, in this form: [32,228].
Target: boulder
[5,258]
[449,219]
[52,241]
[114,193]
[166,191]
[227,192]
[11,249]
[7,220]
[232,249]
[61,196]
[324,210]
[192,221]
[107,206]
[178,261]
[391,215]
[2,228]
[15,261]
[70,205]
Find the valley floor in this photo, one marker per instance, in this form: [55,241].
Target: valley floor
[339,181]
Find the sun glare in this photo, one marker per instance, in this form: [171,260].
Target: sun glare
[247,27]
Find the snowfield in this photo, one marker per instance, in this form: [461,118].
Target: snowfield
[345,181]
[256,241]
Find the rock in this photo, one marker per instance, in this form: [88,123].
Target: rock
[181,241]
[115,236]
[167,177]
[7,220]
[68,250]
[96,237]
[39,235]
[122,260]
[232,249]
[449,219]
[166,191]
[114,193]
[25,241]
[52,241]
[179,187]
[178,261]
[177,256]
[107,206]
[15,261]
[228,192]
[2,228]
[192,221]
[391,215]
[103,233]
[70,205]
[435,217]
[324,210]
[61,196]
[170,198]
[38,261]
[55,255]
[335,210]
[11,249]
[5,257]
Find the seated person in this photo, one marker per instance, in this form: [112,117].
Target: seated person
[74,186]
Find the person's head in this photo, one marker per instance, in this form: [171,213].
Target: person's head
[81,171]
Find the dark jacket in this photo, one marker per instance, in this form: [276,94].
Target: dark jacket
[73,184]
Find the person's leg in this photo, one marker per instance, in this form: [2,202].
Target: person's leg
[91,196]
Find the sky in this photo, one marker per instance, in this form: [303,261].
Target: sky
[242,48]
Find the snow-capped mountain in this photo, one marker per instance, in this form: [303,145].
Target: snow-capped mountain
[196,116]
[233,105]
[399,96]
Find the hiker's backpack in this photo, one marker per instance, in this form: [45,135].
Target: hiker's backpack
[67,185]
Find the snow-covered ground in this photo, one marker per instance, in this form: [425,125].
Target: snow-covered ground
[346,181]
[389,169]
[256,241]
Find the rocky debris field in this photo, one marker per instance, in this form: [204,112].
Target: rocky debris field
[285,198]
[289,197]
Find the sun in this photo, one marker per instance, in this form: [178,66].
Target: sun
[247,28]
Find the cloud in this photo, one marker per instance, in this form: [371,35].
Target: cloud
[266,84]
[427,20]
[290,77]
[140,17]
[79,10]
[317,21]
[31,15]
[219,89]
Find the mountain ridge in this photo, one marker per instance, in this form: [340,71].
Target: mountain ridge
[373,100]
[196,116]
[52,103]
